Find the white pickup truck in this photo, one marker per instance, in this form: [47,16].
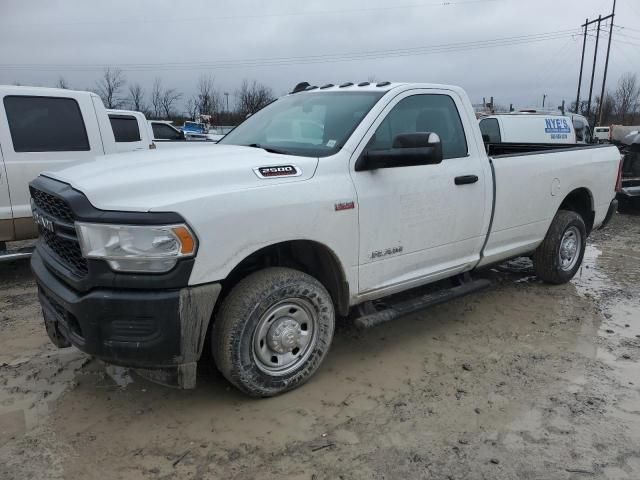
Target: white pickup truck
[50,129]
[315,207]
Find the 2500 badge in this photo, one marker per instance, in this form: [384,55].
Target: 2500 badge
[277,171]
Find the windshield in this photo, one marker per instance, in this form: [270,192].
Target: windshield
[307,124]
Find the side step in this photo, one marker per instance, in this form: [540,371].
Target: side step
[17,254]
[405,307]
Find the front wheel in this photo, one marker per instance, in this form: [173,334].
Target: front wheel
[559,256]
[273,331]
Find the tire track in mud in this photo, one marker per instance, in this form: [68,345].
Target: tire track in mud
[522,381]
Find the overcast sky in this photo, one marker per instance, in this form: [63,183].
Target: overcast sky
[284,42]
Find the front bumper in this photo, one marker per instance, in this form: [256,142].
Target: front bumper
[160,331]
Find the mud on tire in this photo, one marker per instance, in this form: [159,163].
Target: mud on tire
[551,259]
[259,319]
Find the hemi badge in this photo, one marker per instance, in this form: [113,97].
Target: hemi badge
[345,206]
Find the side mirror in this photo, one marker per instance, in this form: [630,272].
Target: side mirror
[408,150]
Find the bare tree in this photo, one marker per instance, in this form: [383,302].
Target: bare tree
[156,98]
[109,87]
[252,97]
[62,83]
[607,109]
[136,98]
[192,107]
[208,99]
[627,95]
[169,97]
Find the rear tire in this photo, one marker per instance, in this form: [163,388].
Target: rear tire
[560,254]
[273,331]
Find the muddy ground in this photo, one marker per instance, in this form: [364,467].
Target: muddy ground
[522,381]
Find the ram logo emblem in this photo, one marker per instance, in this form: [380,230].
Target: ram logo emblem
[43,221]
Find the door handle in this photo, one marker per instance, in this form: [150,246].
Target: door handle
[466,179]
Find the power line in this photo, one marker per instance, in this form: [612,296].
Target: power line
[309,59]
[207,18]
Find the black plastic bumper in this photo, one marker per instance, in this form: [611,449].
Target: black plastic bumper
[613,207]
[148,329]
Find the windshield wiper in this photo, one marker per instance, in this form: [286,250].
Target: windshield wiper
[268,149]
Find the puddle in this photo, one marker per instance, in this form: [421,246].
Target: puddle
[524,373]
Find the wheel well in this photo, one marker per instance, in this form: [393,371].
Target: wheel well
[581,202]
[307,256]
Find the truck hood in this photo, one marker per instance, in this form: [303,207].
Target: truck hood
[154,180]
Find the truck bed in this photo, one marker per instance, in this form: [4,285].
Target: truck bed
[498,149]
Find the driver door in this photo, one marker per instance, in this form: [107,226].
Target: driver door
[416,223]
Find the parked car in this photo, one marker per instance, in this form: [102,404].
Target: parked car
[259,254]
[131,130]
[195,131]
[44,129]
[164,131]
[629,192]
[601,134]
[619,134]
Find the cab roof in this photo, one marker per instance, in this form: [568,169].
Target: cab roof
[305,87]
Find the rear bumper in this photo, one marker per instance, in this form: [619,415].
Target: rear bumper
[161,330]
[627,193]
[613,207]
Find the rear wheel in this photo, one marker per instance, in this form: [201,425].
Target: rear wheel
[560,254]
[273,331]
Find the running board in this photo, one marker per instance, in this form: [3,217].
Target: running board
[405,307]
[17,254]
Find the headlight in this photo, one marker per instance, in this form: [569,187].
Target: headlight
[133,248]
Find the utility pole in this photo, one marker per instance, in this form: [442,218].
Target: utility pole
[606,64]
[599,21]
[593,71]
[584,46]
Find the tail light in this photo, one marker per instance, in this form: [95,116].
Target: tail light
[619,179]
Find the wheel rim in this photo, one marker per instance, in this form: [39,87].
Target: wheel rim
[570,247]
[285,336]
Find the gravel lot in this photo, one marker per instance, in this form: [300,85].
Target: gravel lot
[522,381]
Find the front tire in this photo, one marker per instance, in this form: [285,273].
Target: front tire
[560,254]
[273,331]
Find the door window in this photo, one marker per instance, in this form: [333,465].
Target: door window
[432,113]
[45,124]
[125,128]
[162,131]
